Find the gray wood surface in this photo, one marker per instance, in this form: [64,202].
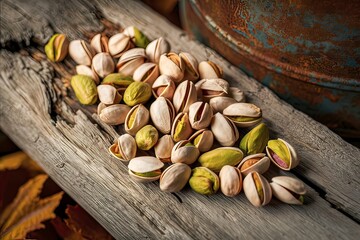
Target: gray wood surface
[70,142]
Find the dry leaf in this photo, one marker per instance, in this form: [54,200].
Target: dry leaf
[64,231]
[12,161]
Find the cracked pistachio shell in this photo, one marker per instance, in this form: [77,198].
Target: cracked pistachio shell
[219,157]
[162,114]
[181,128]
[218,104]
[288,190]
[237,94]
[184,96]
[57,47]
[145,169]
[256,140]
[137,118]
[254,163]
[163,87]
[202,139]
[282,154]
[118,80]
[100,43]
[191,66]
[146,137]
[172,65]
[163,148]
[257,189]
[136,93]
[147,72]
[108,94]
[85,89]
[137,36]
[209,88]
[130,61]
[200,114]
[184,152]
[100,107]
[230,181]
[103,64]
[224,130]
[157,48]
[118,44]
[204,181]
[208,70]
[175,177]
[243,114]
[125,148]
[114,114]
[86,70]
[81,52]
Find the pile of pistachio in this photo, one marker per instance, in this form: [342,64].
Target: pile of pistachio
[179,114]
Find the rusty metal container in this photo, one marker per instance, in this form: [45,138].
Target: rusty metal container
[308,52]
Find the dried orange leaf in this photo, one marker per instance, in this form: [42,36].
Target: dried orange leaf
[12,161]
[64,231]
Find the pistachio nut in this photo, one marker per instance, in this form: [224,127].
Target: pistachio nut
[175,177]
[209,88]
[202,139]
[257,189]
[85,89]
[162,114]
[118,44]
[218,104]
[184,152]
[146,137]
[230,181]
[137,37]
[86,70]
[100,43]
[100,107]
[147,72]
[208,70]
[137,92]
[103,64]
[57,47]
[288,190]
[200,114]
[118,80]
[163,148]
[81,52]
[224,130]
[184,96]
[219,157]
[130,61]
[255,141]
[181,128]
[137,118]
[157,48]
[191,66]
[172,65]
[114,114]
[237,94]
[145,169]
[124,148]
[108,94]
[204,181]
[243,114]
[163,87]
[254,163]
[282,154]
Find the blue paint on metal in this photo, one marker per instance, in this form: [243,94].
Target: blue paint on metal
[245,35]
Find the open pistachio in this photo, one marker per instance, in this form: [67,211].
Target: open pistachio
[282,154]
[191,66]
[156,48]
[146,137]
[219,157]
[172,65]
[145,169]
[108,94]
[124,148]
[204,181]
[130,61]
[237,94]
[100,107]
[118,80]
[218,104]
[118,44]
[184,96]
[114,114]
[208,70]
[184,152]
[137,37]
[100,43]
[200,114]
[164,87]
[57,47]
[289,190]
[230,181]
[147,72]
[254,163]
[81,52]
[103,64]
[163,148]
[243,114]
[137,92]
[255,141]
[137,118]
[181,128]
[257,189]
[85,89]
[209,88]
[175,177]
[224,130]
[86,70]
[202,139]
[162,114]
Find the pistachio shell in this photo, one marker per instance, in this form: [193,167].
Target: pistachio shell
[146,137]
[257,189]
[137,118]
[86,70]
[118,44]
[143,165]
[130,61]
[219,157]
[287,189]
[204,181]
[203,140]
[103,64]
[172,65]
[163,148]
[209,88]
[162,114]
[156,48]
[108,94]
[57,47]
[191,66]
[208,70]
[100,43]
[184,96]
[218,104]
[164,87]
[254,163]
[175,177]
[114,114]
[124,148]
[200,115]
[147,72]
[255,141]
[230,181]
[81,52]
[136,93]
[184,152]
[181,128]
[137,37]
[224,130]
[243,114]
[282,154]
[85,89]
[100,107]
[237,94]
